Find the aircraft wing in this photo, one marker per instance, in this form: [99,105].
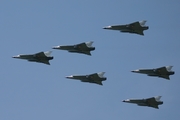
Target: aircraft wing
[152,102]
[95,78]
[165,76]
[99,82]
[81,46]
[40,54]
[43,61]
[140,32]
[84,52]
[135,24]
[155,106]
[162,69]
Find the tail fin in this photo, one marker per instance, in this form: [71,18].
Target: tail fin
[142,23]
[169,68]
[158,98]
[89,44]
[48,53]
[101,74]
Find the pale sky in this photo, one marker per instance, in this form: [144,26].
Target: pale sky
[35,91]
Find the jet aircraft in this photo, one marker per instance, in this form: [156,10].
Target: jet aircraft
[41,57]
[135,27]
[149,102]
[91,78]
[83,48]
[162,72]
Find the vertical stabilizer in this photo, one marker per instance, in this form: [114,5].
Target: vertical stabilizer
[169,68]
[89,44]
[48,53]
[142,23]
[101,74]
[158,98]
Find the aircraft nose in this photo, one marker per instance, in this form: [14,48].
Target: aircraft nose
[69,76]
[123,101]
[55,47]
[17,56]
[107,27]
[135,71]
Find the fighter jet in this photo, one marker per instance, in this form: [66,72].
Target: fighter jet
[135,27]
[149,102]
[41,57]
[92,78]
[83,48]
[162,72]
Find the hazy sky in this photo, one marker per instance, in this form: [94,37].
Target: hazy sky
[35,91]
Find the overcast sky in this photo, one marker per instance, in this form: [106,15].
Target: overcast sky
[35,91]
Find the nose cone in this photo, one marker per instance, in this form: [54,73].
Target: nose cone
[135,71]
[127,100]
[56,47]
[107,27]
[17,56]
[69,77]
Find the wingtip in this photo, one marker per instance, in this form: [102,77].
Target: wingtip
[47,63]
